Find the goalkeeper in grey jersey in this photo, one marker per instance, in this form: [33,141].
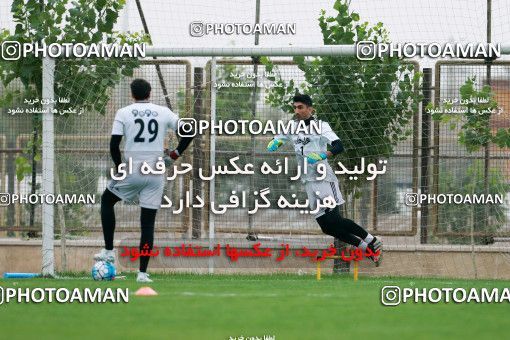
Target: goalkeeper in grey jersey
[314,147]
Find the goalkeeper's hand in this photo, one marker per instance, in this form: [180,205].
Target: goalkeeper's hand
[170,156]
[274,145]
[316,157]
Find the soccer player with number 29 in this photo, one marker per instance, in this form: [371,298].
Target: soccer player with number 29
[314,147]
[144,126]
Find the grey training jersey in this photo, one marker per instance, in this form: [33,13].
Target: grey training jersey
[312,141]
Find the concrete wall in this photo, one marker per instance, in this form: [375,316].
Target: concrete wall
[416,261]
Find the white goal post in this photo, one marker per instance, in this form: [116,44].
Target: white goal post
[48,135]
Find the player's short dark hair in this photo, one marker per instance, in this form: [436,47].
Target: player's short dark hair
[302,98]
[140,89]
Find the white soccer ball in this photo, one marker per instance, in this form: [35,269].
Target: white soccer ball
[103,271]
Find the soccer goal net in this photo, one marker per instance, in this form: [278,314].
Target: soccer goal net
[409,172]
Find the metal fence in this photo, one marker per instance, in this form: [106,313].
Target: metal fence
[82,160]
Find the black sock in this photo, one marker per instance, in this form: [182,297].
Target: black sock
[147,220]
[348,238]
[346,225]
[108,200]
[351,227]
[331,223]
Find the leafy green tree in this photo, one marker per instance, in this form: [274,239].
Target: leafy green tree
[472,115]
[458,218]
[475,108]
[369,104]
[233,102]
[85,82]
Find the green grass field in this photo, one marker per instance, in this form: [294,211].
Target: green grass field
[286,306]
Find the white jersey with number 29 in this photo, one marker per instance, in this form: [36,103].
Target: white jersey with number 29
[144,126]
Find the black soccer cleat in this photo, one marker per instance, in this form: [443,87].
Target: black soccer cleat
[376,246]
